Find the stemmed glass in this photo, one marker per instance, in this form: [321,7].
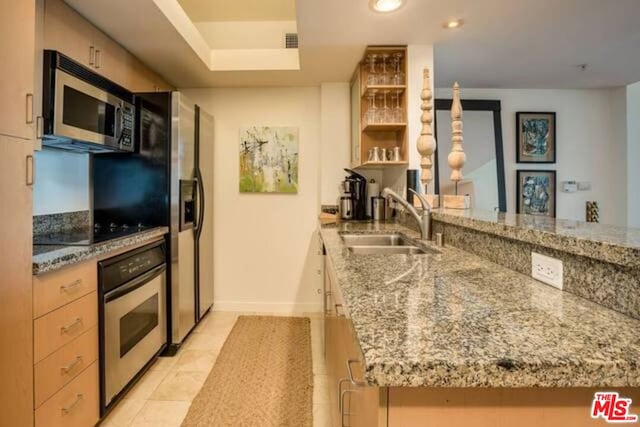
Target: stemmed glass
[383,78]
[397,110]
[372,112]
[387,113]
[398,76]
[372,78]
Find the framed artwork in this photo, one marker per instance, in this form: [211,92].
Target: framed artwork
[535,137]
[268,159]
[536,192]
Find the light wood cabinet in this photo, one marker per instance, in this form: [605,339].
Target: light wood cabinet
[68,32]
[17,55]
[385,131]
[16,318]
[75,405]
[55,289]
[58,369]
[63,325]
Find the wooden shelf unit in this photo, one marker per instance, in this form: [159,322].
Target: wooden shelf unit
[366,136]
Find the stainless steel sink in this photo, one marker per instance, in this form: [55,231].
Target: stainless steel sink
[376,240]
[384,244]
[387,250]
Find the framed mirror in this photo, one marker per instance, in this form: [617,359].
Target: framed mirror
[483,172]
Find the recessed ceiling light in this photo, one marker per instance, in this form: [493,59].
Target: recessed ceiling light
[453,23]
[385,6]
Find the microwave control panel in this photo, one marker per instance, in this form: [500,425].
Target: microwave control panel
[128,117]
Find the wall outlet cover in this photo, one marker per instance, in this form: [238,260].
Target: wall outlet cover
[546,269]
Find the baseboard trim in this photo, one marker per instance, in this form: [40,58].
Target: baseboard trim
[268,307]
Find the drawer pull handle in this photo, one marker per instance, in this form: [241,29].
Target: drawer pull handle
[71,366]
[67,328]
[343,412]
[29,104]
[71,286]
[69,407]
[353,380]
[338,307]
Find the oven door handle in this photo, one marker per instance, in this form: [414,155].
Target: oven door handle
[134,284]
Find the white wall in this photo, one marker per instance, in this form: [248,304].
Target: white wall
[335,132]
[589,147]
[61,182]
[265,249]
[633,154]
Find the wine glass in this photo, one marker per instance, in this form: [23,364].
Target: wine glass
[387,113]
[397,110]
[398,76]
[372,78]
[372,112]
[383,77]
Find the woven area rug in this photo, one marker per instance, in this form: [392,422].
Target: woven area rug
[263,376]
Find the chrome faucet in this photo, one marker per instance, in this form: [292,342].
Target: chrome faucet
[424,219]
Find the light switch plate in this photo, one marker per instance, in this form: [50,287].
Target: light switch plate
[546,269]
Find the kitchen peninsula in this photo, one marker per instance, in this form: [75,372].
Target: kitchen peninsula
[452,337]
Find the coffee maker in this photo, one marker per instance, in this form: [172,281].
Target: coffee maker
[353,202]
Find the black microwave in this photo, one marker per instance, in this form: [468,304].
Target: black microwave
[82,110]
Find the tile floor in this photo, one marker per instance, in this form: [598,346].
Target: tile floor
[162,396]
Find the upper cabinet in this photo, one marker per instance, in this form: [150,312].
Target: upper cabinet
[68,32]
[17,31]
[379,109]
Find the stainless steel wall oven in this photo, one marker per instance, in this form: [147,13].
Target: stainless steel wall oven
[132,309]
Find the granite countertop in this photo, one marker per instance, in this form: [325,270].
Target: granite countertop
[614,244]
[48,258]
[456,320]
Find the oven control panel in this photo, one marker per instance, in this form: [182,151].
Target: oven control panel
[116,271]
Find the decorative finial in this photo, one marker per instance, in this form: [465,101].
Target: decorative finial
[426,143]
[456,158]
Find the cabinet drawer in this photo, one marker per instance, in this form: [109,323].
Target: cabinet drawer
[76,405]
[53,290]
[64,365]
[63,325]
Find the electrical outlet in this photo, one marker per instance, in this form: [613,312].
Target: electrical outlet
[546,269]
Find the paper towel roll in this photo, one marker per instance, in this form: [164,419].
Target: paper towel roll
[373,190]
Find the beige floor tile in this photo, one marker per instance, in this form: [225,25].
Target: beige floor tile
[180,386]
[320,389]
[165,363]
[124,413]
[195,361]
[147,384]
[205,342]
[157,413]
[321,416]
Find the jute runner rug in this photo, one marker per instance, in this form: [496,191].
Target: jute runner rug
[263,376]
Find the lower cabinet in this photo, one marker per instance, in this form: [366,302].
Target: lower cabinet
[66,347]
[352,402]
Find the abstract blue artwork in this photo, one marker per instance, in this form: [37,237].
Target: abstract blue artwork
[536,138]
[536,192]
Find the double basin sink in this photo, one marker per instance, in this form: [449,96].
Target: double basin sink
[383,244]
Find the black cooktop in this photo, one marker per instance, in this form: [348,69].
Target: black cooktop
[87,236]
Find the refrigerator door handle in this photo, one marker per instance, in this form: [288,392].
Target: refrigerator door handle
[196,197]
[201,201]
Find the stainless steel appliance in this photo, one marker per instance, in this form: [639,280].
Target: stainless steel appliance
[191,216]
[83,111]
[132,310]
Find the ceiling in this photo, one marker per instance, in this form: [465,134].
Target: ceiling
[239,10]
[504,43]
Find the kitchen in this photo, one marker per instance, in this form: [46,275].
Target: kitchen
[178,186]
